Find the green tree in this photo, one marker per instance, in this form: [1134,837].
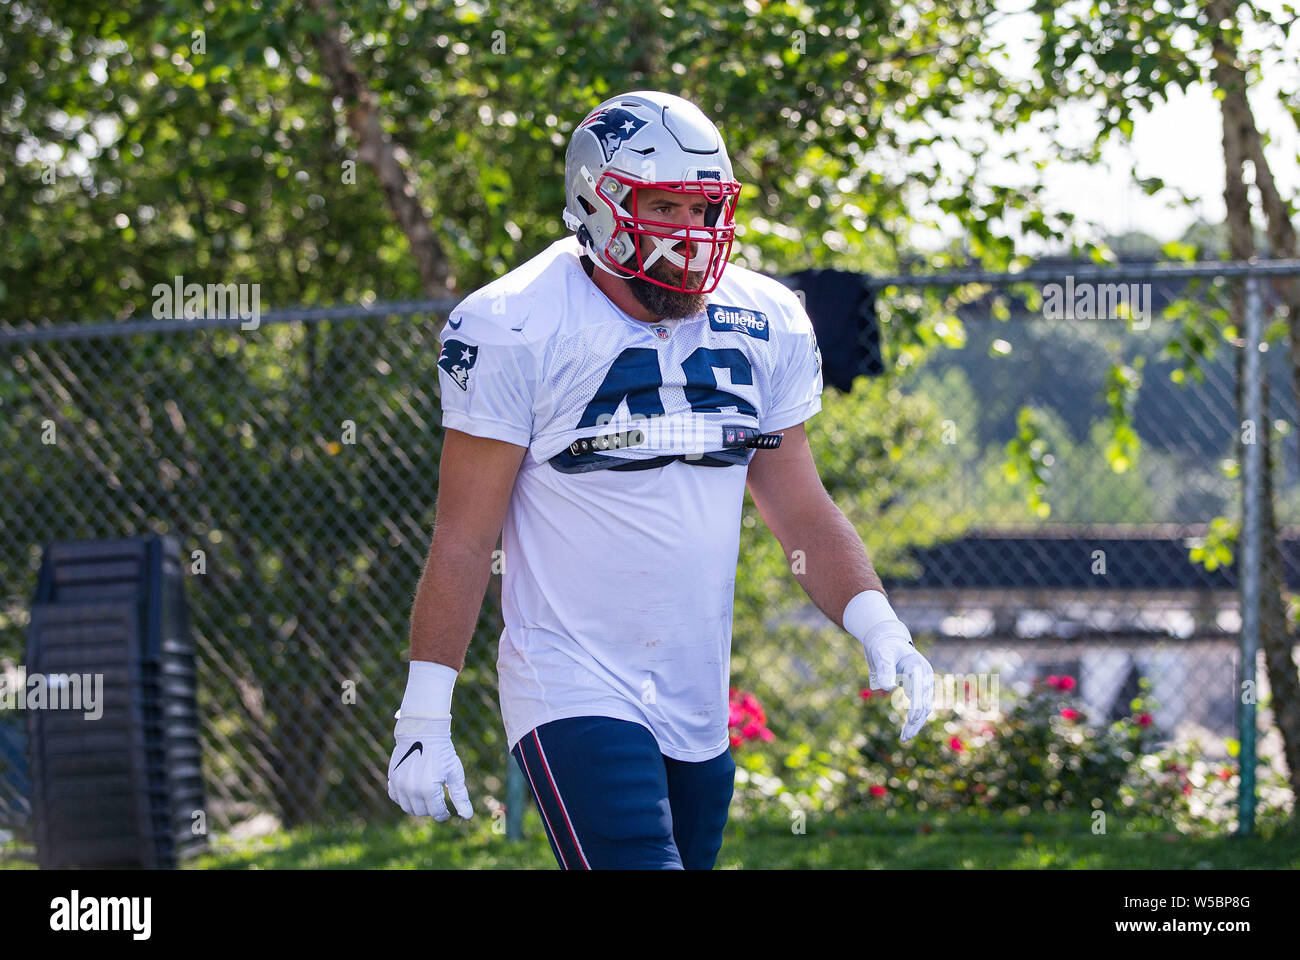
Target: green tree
[386,150]
[1126,56]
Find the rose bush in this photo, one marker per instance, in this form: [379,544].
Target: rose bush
[1039,752]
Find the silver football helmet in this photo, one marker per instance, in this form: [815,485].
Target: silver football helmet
[650,140]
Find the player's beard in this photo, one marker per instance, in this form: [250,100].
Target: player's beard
[664,303]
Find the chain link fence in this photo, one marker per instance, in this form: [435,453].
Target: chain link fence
[1106,517]
[297,464]
[1084,452]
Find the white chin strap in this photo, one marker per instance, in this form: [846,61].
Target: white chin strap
[573,223]
[599,261]
[663,247]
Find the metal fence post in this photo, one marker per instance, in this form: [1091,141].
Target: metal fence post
[1250,558]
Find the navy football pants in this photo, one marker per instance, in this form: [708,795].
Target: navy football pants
[610,800]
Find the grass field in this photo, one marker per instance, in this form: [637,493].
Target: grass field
[846,841]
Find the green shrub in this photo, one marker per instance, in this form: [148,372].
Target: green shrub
[1037,753]
[1181,788]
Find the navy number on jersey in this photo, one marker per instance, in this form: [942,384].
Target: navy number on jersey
[701,388]
[634,375]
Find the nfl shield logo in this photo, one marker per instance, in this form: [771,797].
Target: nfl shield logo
[661,332]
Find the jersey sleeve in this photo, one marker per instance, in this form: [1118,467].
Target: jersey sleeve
[797,380]
[488,377]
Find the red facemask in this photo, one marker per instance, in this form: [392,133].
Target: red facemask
[696,254]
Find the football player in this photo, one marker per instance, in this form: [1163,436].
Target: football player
[606,405]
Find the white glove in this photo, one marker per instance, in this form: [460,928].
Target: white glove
[889,651]
[887,643]
[424,759]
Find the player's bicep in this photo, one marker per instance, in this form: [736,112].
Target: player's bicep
[785,485]
[476,476]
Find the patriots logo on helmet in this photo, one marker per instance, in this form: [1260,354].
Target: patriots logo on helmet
[458,359]
[612,126]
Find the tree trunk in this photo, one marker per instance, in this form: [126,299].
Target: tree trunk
[1284,683]
[377,149]
[1230,80]
[1238,126]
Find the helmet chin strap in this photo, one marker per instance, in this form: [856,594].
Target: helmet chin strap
[663,247]
[573,223]
[599,261]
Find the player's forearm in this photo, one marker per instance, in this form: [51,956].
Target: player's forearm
[830,562]
[447,601]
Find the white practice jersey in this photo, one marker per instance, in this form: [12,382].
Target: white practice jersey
[621,537]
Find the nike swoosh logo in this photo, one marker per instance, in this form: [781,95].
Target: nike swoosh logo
[455,324]
[415,747]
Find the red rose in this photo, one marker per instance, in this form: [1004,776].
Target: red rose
[1066,683]
[765,735]
[1069,714]
[866,694]
[1052,680]
[878,791]
[955,743]
[1143,719]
